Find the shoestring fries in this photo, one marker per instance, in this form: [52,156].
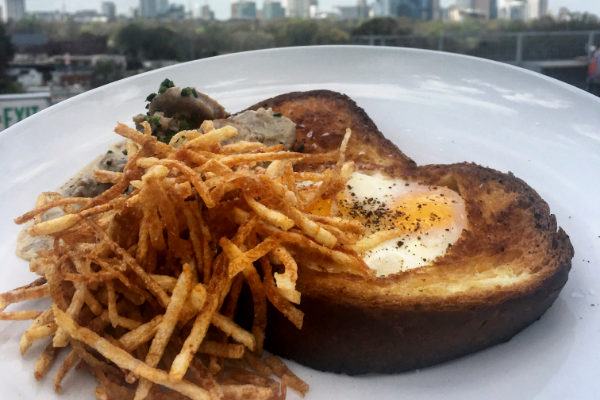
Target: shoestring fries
[145,279]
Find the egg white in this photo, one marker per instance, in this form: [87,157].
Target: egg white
[418,243]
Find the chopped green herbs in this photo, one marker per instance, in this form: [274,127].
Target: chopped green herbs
[300,149]
[167,83]
[124,152]
[194,93]
[166,138]
[186,92]
[109,152]
[153,119]
[109,162]
[277,115]
[151,97]
[147,106]
[184,126]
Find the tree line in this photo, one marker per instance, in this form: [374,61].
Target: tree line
[186,40]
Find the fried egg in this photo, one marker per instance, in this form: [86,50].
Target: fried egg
[427,219]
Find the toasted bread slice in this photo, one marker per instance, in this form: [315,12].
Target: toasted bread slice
[502,274]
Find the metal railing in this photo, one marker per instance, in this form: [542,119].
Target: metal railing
[510,47]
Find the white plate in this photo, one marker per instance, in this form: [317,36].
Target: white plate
[438,108]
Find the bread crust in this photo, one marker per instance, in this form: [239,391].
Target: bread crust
[503,273]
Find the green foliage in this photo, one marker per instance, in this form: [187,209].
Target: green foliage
[7,52]
[252,40]
[331,36]
[105,72]
[430,28]
[129,40]
[155,43]
[152,39]
[297,32]
[578,22]
[383,26]
[27,24]
[308,33]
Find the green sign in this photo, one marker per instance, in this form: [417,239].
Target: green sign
[15,108]
[12,115]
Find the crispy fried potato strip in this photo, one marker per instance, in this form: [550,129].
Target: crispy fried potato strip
[145,285]
[124,359]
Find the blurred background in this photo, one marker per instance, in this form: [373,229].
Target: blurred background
[51,50]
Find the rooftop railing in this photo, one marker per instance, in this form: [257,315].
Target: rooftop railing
[510,47]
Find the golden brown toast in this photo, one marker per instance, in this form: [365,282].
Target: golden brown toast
[504,272]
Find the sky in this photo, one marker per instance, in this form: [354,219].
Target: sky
[222,8]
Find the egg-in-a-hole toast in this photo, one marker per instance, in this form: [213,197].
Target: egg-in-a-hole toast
[500,274]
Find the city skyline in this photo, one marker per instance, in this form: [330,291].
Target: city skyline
[222,8]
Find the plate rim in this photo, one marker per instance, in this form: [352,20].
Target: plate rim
[531,74]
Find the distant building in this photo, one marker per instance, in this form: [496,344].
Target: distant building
[29,42]
[79,69]
[27,77]
[15,9]
[243,10]
[363,9]
[493,9]
[360,10]
[83,62]
[437,11]
[88,16]
[90,46]
[481,9]
[324,14]
[47,15]
[134,12]
[298,8]
[207,13]
[109,9]
[563,14]
[173,12]
[148,9]
[162,7]
[513,10]
[536,9]
[346,12]
[273,10]
[444,13]
[416,9]
[156,64]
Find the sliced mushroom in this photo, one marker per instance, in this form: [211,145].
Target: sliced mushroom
[196,107]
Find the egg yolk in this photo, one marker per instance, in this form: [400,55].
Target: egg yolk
[415,212]
[424,212]
[321,207]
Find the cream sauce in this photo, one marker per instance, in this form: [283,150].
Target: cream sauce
[261,126]
[82,184]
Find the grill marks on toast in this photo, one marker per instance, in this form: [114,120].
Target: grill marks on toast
[512,244]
